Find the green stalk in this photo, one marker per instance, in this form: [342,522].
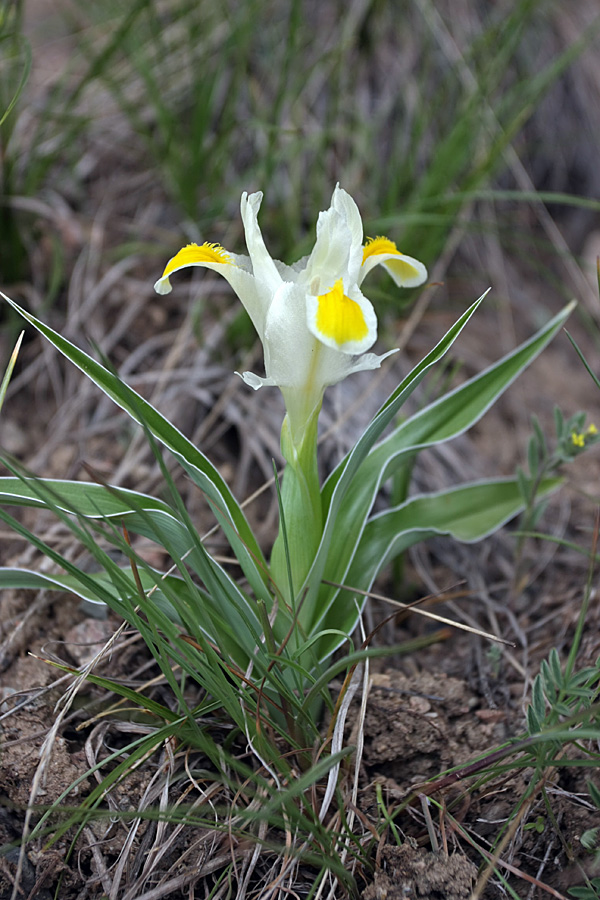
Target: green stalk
[300,533]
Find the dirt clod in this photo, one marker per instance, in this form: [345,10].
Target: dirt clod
[420,725]
[413,872]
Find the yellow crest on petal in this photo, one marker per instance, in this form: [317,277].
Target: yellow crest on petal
[376,246]
[194,253]
[339,318]
[406,271]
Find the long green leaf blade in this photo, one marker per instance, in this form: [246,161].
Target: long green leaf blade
[339,482]
[446,418]
[153,519]
[468,513]
[226,509]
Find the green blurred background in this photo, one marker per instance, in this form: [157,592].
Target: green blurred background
[418,108]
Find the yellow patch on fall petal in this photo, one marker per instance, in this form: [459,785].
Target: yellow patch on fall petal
[194,253]
[378,245]
[339,318]
[403,270]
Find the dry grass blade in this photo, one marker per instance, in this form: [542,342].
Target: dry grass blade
[414,607]
[495,860]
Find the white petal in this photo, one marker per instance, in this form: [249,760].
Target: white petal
[233,267]
[255,381]
[405,270]
[335,366]
[331,253]
[343,203]
[290,273]
[263,267]
[370,361]
[289,346]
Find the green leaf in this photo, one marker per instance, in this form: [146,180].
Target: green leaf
[341,479]
[594,793]
[349,465]
[156,520]
[446,418]
[225,508]
[554,663]
[149,705]
[525,485]
[540,439]
[589,839]
[582,892]
[534,723]
[550,689]
[468,513]
[78,497]
[24,579]
[27,58]
[537,698]
[10,367]
[533,458]
[592,374]
[140,513]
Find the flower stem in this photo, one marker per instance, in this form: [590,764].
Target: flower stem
[301,522]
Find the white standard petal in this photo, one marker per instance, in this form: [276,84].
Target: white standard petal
[293,272]
[331,253]
[343,203]
[263,267]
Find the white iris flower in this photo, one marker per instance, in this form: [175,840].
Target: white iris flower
[312,318]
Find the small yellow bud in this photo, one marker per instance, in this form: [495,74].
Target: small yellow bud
[592,429]
[578,439]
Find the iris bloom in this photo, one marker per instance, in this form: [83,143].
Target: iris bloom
[314,322]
